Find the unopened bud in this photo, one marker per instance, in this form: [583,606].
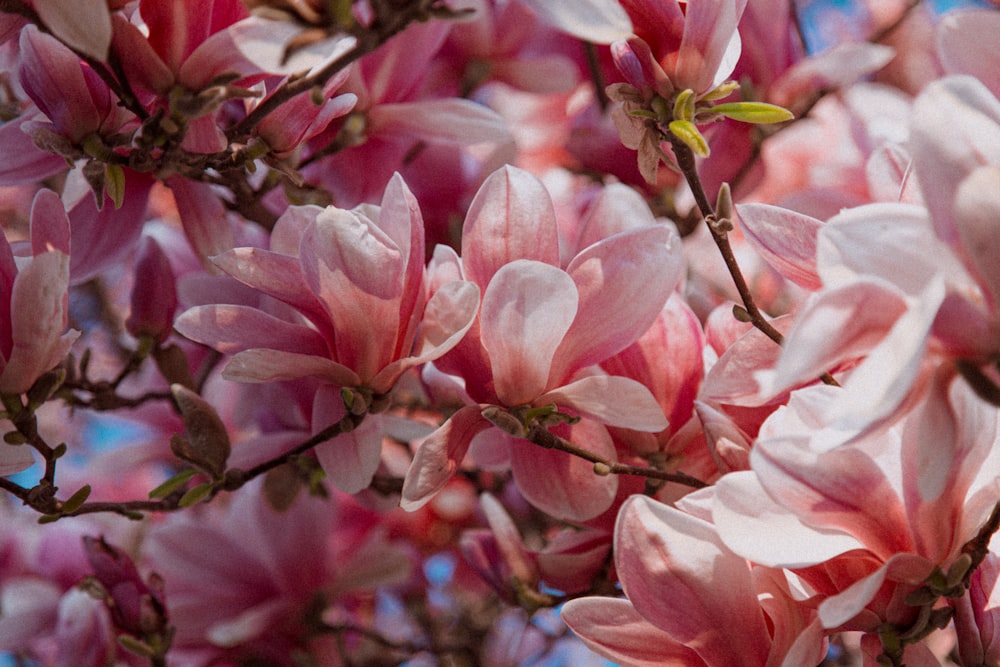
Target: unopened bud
[154,295]
[504,421]
[724,203]
[207,443]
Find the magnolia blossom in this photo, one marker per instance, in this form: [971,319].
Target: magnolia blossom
[691,600]
[34,299]
[866,523]
[540,327]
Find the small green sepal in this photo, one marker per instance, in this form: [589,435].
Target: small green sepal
[687,132]
[172,484]
[759,113]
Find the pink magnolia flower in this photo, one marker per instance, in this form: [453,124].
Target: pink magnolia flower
[691,600]
[360,315]
[864,524]
[929,268]
[34,297]
[357,279]
[540,327]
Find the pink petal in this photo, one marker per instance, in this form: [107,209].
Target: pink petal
[52,76]
[617,208]
[611,400]
[597,21]
[739,376]
[613,628]
[233,328]
[448,316]
[680,577]
[439,456]
[785,239]
[351,459]
[84,25]
[263,365]
[38,311]
[510,218]
[562,485]
[903,567]
[894,242]
[709,27]
[842,490]
[24,162]
[276,275]
[754,526]
[624,282]
[977,210]
[963,39]
[954,130]
[14,458]
[450,121]
[839,325]
[527,309]
[834,68]
[203,217]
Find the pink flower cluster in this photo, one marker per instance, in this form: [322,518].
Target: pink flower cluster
[499,332]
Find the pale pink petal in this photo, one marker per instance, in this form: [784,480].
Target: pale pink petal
[15,458]
[84,25]
[613,628]
[447,318]
[785,239]
[954,131]
[450,121]
[572,558]
[878,387]
[680,577]
[265,43]
[611,400]
[276,275]
[709,27]
[359,274]
[351,459]
[203,217]
[889,170]
[233,328]
[624,282]
[843,490]
[902,567]
[563,485]
[511,217]
[838,325]
[527,309]
[616,209]
[262,365]
[24,162]
[754,526]
[597,21]
[977,211]
[894,242]
[834,68]
[439,456]
[964,39]
[38,319]
[738,377]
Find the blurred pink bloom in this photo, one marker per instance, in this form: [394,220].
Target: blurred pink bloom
[245,581]
[34,297]
[692,601]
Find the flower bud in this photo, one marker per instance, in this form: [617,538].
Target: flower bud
[154,295]
[207,443]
